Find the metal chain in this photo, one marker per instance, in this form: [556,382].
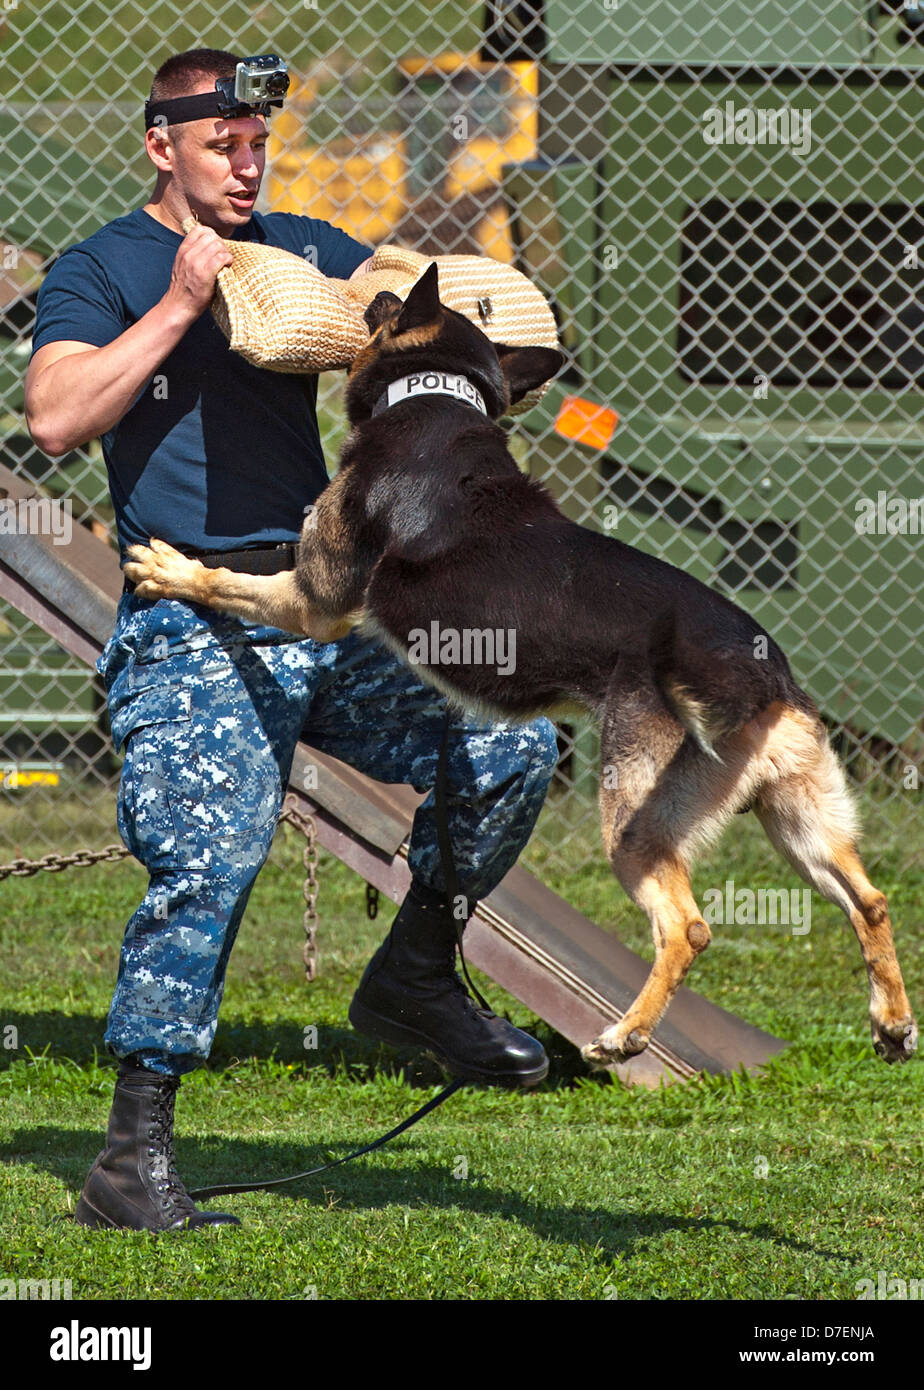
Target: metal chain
[54,863]
[304,822]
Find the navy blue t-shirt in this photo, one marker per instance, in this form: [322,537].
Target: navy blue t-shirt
[213,453]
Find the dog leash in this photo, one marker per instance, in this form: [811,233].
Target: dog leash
[444,840]
[222,1189]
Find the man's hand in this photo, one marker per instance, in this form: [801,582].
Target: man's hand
[201,256]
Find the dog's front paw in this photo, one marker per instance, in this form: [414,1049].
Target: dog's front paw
[895,1042]
[618,1044]
[159,571]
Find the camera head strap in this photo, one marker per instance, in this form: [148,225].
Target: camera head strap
[258,84]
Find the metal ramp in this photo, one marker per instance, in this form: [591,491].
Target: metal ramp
[563,967]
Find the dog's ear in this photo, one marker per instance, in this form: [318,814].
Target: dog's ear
[525,368]
[422,305]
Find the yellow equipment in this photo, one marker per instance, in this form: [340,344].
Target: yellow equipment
[462,120]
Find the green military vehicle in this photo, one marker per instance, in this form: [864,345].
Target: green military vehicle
[727,211]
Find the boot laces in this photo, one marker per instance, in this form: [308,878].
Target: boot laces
[163,1166]
[457,985]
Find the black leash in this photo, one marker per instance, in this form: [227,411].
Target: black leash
[221,1190]
[447,857]
[452,887]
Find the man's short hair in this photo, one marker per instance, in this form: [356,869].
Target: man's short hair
[179,75]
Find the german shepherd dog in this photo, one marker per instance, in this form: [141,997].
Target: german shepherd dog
[430,525]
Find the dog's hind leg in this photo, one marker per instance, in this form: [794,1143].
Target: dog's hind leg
[805,808]
[648,795]
[660,885]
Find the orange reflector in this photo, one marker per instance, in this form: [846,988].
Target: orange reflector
[586,422]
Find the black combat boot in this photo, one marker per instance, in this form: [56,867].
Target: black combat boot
[134,1183]
[411,996]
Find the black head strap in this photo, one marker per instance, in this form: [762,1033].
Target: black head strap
[178,110]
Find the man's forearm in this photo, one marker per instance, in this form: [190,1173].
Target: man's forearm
[79,397]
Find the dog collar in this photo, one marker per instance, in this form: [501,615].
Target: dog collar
[431,384]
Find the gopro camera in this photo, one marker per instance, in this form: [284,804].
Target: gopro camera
[258,84]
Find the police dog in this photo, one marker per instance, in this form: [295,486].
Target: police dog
[430,529]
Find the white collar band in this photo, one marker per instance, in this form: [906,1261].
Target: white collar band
[431,384]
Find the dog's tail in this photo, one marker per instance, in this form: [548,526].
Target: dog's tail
[704,723]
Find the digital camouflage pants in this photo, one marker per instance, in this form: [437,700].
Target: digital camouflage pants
[210,713]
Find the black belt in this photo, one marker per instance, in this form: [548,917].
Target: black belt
[271,559]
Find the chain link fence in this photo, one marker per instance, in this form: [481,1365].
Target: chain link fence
[725,207]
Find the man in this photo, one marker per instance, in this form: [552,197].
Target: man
[221,458]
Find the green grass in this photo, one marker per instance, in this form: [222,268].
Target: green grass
[797,1183]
